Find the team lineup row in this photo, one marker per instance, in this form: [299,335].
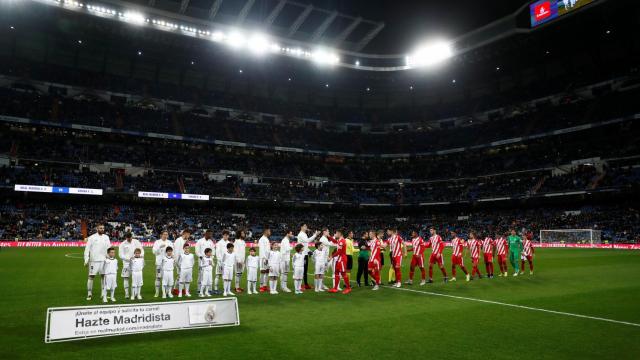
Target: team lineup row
[226,260]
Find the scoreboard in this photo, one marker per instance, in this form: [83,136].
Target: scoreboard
[543,11]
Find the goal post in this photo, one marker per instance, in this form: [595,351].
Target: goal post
[571,236]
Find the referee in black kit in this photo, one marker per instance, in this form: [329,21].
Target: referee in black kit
[305,240]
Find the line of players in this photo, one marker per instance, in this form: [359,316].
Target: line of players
[274,261]
[507,246]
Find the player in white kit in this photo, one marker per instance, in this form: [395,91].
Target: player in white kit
[285,260]
[160,250]
[203,243]
[228,268]
[324,239]
[273,261]
[206,268]
[168,263]
[320,256]
[137,264]
[178,247]
[125,252]
[253,263]
[305,240]
[221,248]
[110,271]
[95,252]
[239,248]
[264,247]
[298,268]
[185,273]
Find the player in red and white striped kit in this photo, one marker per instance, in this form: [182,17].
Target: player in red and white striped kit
[375,258]
[418,246]
[487,250]
[437,246]
[457,245]
[527,253]
[396,247]
[340,256]
[474,248]
[502,248]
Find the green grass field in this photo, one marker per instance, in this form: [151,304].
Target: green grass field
[388,324]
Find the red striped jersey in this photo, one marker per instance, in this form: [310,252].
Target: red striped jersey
[341,250]
[418,246]
[375,245]
[501,246]
[395,242]
[487,245]
[436,244]
[527,247]
[474,247]
[457,244]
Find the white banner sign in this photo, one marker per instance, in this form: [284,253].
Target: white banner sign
[57,189]
[84,322]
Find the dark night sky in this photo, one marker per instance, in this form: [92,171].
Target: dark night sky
[409,21]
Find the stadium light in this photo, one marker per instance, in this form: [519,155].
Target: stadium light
[135,18]
[324,57]
[218,36]
[258,44]
[430,54]
[236,40]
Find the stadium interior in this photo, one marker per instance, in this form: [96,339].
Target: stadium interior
[320,179]
[529,129]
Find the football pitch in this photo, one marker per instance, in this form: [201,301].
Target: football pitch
[523,317]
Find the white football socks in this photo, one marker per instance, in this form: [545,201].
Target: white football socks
[89,287]
[126,287]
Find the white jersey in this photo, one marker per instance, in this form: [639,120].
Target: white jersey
[178,247]
[96,248]
[305,240]
[285,249]
[203,244]
[252,268]
[327,245]
[185,262]
[228,260]
[126,249]
[320,256]
[110,266]
[264,248]
[137,264]
[298,260]
[274,259]
[167,264]
[240,249]
[253,262]
[206,263]
[160,250]
[221,248]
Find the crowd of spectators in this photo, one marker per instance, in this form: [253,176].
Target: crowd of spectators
[31,221]
[90,110]
[83,147]
[515,185]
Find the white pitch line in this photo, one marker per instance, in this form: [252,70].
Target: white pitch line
[519,306]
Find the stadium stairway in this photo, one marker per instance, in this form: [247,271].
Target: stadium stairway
[595,181]
[539,184]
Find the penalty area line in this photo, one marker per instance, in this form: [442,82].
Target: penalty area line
[518,306]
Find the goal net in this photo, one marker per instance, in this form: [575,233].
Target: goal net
[571,236]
